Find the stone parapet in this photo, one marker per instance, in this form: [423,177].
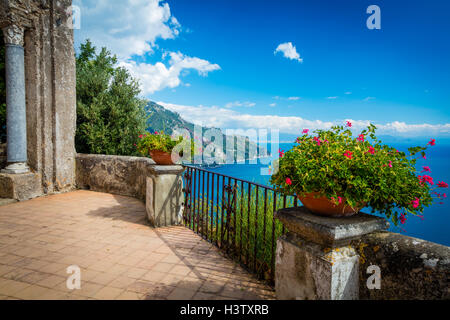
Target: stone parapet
[121,175]
[329,231]
[316,259]
[410,268]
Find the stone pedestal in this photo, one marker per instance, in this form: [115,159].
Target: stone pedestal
[315,260]
[164,195]
[20,186]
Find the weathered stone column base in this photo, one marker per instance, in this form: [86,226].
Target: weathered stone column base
[315,260]
[308,271]
[20,186]
[164,196]
[16,168]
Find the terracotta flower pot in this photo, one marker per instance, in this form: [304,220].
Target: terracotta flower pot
[325,207]
[161,157]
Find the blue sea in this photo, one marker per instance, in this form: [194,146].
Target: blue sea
[434,227]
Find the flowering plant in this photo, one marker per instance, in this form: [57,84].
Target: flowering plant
[355,170]
[159,141]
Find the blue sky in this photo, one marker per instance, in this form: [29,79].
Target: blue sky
[215,62]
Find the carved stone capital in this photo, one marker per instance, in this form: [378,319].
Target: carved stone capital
[13,34]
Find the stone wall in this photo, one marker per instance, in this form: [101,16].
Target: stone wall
[410,268]
[113,174]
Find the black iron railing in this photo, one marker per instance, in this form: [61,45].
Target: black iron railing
[236,215]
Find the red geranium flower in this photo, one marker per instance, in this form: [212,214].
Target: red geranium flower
[442,184]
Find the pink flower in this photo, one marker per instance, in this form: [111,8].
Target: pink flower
[316,139]
[339,199]
[305,131]
[360,138]
[426,168]
[156,132]
[288,181]
[349,124]
[390,164]
[281,152]
[426,178]
[415,203]
[348,154]
[140,137]
[424,157]
[402,218]
[442,184]
[298,140]
[444,195]
[432,142]
[371,150]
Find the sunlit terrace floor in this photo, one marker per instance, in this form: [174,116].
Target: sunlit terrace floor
[119,254]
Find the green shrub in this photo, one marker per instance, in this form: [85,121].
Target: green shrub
[355,170]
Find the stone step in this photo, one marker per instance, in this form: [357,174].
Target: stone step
[4,201]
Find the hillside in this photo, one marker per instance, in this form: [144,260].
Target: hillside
[165,120]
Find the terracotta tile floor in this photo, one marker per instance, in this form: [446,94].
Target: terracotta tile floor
[120,256]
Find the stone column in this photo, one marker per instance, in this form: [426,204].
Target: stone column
[16,124]
[164,195]
[315,260]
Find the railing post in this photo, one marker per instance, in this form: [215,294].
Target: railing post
[315,260]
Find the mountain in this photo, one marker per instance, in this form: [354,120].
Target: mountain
[165,120]
[161,119]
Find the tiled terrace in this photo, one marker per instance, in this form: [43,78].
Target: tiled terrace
[119,254]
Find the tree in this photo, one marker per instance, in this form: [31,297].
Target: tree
[2,92]
[110,114]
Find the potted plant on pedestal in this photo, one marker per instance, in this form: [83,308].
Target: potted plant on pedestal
[336,174]
[159,147]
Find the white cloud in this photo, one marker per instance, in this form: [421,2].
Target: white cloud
[155,77]
[226,118]
[289,51]
[348,92]
[273,104]
[240,104]
[368,98]
[332,98]
[288,98]
[131,28]
[128,27]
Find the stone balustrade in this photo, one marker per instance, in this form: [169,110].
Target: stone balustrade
[355,258]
